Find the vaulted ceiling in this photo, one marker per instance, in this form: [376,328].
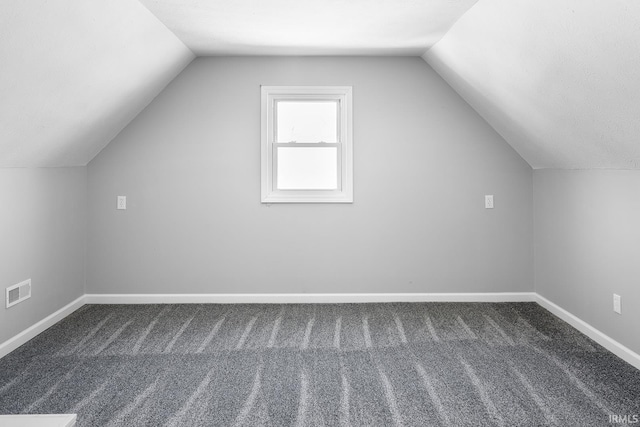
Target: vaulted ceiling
[73,73]
[309,27]
[558,79]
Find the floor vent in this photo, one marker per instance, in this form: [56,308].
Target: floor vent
[18,293]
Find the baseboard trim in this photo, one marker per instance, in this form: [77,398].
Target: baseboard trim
[604,340]
[307,298]
[607,342]
[12,343]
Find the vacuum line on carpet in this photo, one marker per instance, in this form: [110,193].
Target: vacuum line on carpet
[532,329]
[367,333]
[276,329]
[403,336]
[307,334]
[112,338]
[433,394]
[90,334]
[210,336]
[175,338]
[344,397]
[466,328]
[247,331]
[501,331]
[118,420]
[51,390]
[10,384]
[484,396]
[576,381]
[253,395]
[391,398]
[540,403]
[92,397]
[147,330]
[336,333]
[94,394]
[432,330]
[186,408]
[304,398]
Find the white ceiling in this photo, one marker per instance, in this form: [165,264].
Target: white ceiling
[73,73]
[558,79]
[309,27]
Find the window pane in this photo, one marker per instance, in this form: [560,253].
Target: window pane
[307,121]
[307,168]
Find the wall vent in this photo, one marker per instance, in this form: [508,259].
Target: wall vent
[18,293]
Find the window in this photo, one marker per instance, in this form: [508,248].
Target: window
[307,151]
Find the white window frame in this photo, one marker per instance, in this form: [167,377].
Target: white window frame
[272,94]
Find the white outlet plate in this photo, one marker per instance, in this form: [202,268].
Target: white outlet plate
[121,203]
[488,201]
[617,304]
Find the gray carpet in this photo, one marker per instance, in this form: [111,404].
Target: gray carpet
[427,364]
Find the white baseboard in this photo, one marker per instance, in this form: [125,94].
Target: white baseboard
[306,298]
[607,342]
[12,343]
[610,344]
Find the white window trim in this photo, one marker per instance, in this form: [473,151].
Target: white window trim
[269,95]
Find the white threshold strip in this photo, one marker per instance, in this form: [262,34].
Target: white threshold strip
[44,420]
[604,340]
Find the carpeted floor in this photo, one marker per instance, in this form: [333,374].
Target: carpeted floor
[427,364]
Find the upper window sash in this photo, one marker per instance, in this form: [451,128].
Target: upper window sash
[335,121]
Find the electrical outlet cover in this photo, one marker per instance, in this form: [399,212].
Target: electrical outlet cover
[488,201]
[617,304]
[121,203]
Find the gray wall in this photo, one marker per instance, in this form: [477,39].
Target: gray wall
[43,237]
[190,167]
[587,246]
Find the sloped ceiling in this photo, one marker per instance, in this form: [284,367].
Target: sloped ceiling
[309,27]
[73,73]
[558,79]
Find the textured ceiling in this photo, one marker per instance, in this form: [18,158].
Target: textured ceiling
[558,79]
[73,73]
[309,27]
